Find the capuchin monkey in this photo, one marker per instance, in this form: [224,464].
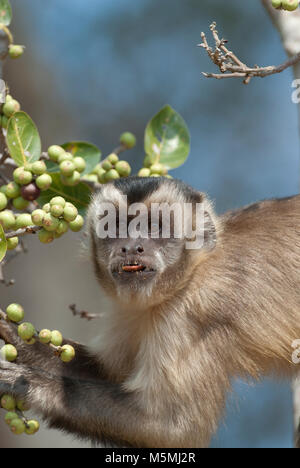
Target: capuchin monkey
[185,322]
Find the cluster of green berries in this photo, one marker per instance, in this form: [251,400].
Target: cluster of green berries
[10,106]
[55,219]
[15,51]
[152,168]
[15,418]
[9,221]
[289,5]
[111,169]
[70,167]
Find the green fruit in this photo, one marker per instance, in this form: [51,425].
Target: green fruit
[4,121]
[26,331]
[57,210]
[3,189]
[28,166]
[8,98]
[77,224]
[63,227]
[44,181]
[23,221]
[123,168]
[290,5]
[45,336]
[58,201]
[3,201]
[71,181]
[46,237]
[15,51]
[80,164]
[106,165]
[9,417]
[158,168]
[7,220]
[145,172]
[113,158]
[37,217]
[65,157]
[9,353]
[11,107]
[96,169]
[12,190]
[128,140]
[67,168]
[277,4]
[149,160]
[12,243]
[90,178]
[56,338]
[55,152]
[112,175]
[23,406]
[50,223]
[32,427]
[15,313]
[8,403]
[39,168]
[17,426]
[102,177]
[47,208]
[67,353]
[70,213]
[20,204]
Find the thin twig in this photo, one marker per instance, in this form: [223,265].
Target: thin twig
[23,232]
[83,313]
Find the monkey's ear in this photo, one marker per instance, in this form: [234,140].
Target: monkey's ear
[210,232]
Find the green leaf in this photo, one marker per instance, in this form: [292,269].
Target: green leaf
[3,244]
[78,195]
[87,151]
[5,12]
[23,139]
[167,138]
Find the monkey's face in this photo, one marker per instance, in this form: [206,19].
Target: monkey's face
[138,249]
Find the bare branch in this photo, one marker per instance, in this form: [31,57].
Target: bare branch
[83,314]
[23,232]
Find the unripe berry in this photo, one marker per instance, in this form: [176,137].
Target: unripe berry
[67,168]
[277,4]
[128,140]
[26,331]
[15,51]
[77,224]
[15,313]
[58,201]
[11,107]
[56,338]
[23,221]
[46,237]
[102,176]
[96,169]
[65,157]
[21,176]
[50,223]
[63,227]
[80,164]
[55,152]
[7,220]
[113,158]
[90,178]
[17,426]
[44,181]
[37,217]
[149,160]
[3,189]
[9,417]
[3,201]
[57,210]
[9,353]
[70,213]
[47,208]
[71,181]
[12,243]
[106,165]
[45,336]
[8,98]
[39,168]
[158,169]
[290,5]
[20,204]
[67,353]
[8,403]
[123,168]
[13,190]
[32,427]
[23,406]
[145,172]
[112,175]
[4,121]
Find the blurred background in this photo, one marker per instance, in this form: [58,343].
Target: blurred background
[95,69]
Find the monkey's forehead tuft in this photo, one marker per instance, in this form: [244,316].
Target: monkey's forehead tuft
[153,189]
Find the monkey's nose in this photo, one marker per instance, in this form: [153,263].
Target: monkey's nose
[132,250]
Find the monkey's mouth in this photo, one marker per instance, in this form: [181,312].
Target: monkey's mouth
[133,269]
